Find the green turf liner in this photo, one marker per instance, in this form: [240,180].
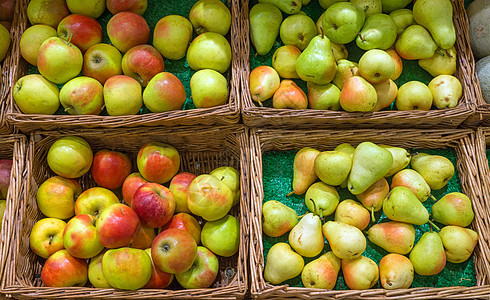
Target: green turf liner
[277,182]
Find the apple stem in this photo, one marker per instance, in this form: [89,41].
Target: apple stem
[289,194]
[433,198]
[433,225]
[50,239]
[372,214]
[260,103]
[70,37]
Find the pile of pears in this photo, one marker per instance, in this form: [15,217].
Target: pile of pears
[316,53]
[364,170]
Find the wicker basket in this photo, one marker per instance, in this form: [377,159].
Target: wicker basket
[460,140]
[221,115]
[201,150]
[481,143]
[441,118]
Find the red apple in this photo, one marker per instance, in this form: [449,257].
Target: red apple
[80,237]
[102,61]
[117,225]
[179,187]
[203,271]
[136,6]
[164,92]
[130,185]
[127,29]
[59,60]
[110,168]
[94,200]
[47,236]
[144,238]
[63,270]
[83,31]
[172,35]
[154,204]
[173,251]
[48,12]
[70,157]
[187,223]
[158,279]
[158,162]
[82,96]
[142,62]
[7,8]
[5,168]
[56,197]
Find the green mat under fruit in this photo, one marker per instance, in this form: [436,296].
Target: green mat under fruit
[277,182]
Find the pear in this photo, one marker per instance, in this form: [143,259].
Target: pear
[265,21]
[290,96]
[376,66]
[446,91]
[453,209]
[402,205]
[437,17]
[284,61]
[379,32]
[346,241]
[415,43]
[342,22]
[306,237]
[297,30]
[403,18]
[428,256]
[264,82]
[370,7]
[392,5]
[414,181]
[349,149]
[333,167]
[289,7]
[326,96]
[277,218]
[357,94]
[321,199]
[322,272]
[326,3]
[414,95]
[401,159]
[398,63]
[304,169]
[364,173]
[458,242]
[339,51]
[435,169]
[373,197]
[305,2]
[394,237]
[353,213]
[282,264]
[386,93]
[360,273]
[345,69]
[443,62]
[395,272]
[316,63]
[230,177]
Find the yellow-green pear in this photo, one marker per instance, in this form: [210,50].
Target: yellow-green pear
[379,32]
[265,21]
[230,177]
[263,83]
[353,213]
[373,197]
[370,7]
[304,169]
[345,69]
[453,209]
[428,256]
[402,205]
[360,273]
[282,264]
[395,272]
[284,61]
[326,3]
[437,17]
[391,5]
[394,237]
[414,95]
[306,237]
[277,218]
[333,167]
[349,149]
[401,159]
[289,7]
[339,51]
[326,96]
[321,199]
[316,63]
[386,92]
[357,95]
[443,62]
[298,30]
[376,66]
[435,169]
[446,91]
[346,241]
[458,242]
[415,42]
[403,18]
[414,181]
[322,272]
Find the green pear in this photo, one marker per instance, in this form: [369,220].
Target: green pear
[342,22]
[392,5]
[353,213]
[395,272]
[304,169]
[277,218]
[326,3]
[321,199]
[403,18]
[297,30]
[345,69]
[360,273]
[446,91]
[394,237]
[364,172]
[435,169]
[349,149]
[265,21]
[316,63]
[414,95]
[402,205]
[284,61]
[306,237]
[282,264]
[415,43]
[437,17]
[333,167]
[230,177]
[373,197]
[346,241]
[453,209]
[443,62]
[358,94]
[401,159]
[370,7]
[305,2]
[428,256]
[414,181]
[289,96]
[326,96]
[376,66]
[322,272]
[289,7]
[459,243]
[379,32]
[339,51]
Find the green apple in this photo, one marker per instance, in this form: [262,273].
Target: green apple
[342,21]
[34,94]
[82,96]
[94,200]
[59,60]
[122,96]
[210,15]
[231,178]
[32,39]
[91,8]
[47,236]
[203,271]
[102,61]
[172,35]
[4,42]
[209,197]
[56,197]
[209,50]
[126,268]
[209,88]
[70,157]
[95,275]
[80,237]
[222,236]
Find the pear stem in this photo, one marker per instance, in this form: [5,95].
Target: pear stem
[372,214]
[299,217]
[413,154]
[433,198]
[323,33]
[289,194]
[434,225]
[441,53]
[360,36]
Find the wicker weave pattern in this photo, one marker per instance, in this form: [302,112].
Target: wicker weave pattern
[461,140]
[201,150]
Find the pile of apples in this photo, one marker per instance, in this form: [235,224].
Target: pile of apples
[121,239]
[316,53]
[6,15]
[65,41]
[363,171]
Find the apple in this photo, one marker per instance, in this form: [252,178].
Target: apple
[127,268]
[82,96]
[158,279]
[187,223]
[7,8]
[127,29]
[230,177]
[172,35]
[102,61]
[209,88]
[222,236]
[158,162]
[4,42]
[70,157]
[173,251]
[209,50]
[136,6]
[209,197]
[203,271]
[58,60]
[142,62]
[210,15]
[34,94]
[130,185]
[80,237]
[144,238]
[83,31]
[95,275]
[154,204]
[3,206]
[110,168]
[117,225]
[122,96]
[56,197]
[5,170]
[48,12]
[32,39]
[91,8]
[47,236]
[94,200]
[63,270]
[179,186]
[165,92]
